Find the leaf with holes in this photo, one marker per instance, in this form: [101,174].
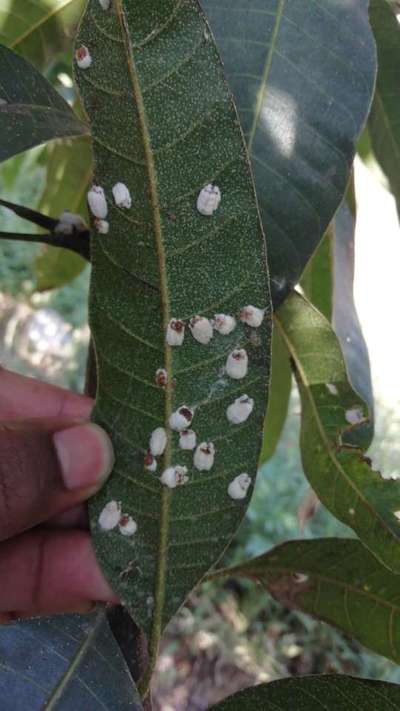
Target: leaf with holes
[315,693]
[383,122]
[39,29]
[31,111]
[337,581]
[335,434]
[302,73]
[64,663]
[184,240]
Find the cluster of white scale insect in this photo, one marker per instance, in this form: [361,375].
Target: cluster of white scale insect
[202,330]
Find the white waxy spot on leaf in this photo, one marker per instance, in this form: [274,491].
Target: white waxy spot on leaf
[208,200]
[105,4]
[122,196]
[252,316]
[150,462]
[161,377]
[332,389]
[68,223]
[300,578]
[204,457]
[237,364]
[102,226]
[397,514]
[158,441]
[174,476]
[110,516]
[355,416]
[175,332]
[201,329]
[240,410]
[181,418]
[238,488]
[83,58]
[187,439]
[224,324]
[97,202]
[127,525]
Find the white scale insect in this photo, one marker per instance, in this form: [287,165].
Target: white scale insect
[224,324]
[158,441]
[240,410]
[204,457]
[181,419]
[122,196]
[237,364]
[187,439]
[208,200]
[83,58]
[201,329]
[68,223]
[127,525]
[174,476]
[175,332]
[110,516]
[252,316]
[97,202]
[238,488]
[102,226]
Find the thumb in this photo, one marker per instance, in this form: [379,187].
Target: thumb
[45,470]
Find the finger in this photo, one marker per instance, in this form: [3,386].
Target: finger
[23,397]
[44,473]
[77,517]
[50,571]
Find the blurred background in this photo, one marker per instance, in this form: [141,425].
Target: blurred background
[228,635]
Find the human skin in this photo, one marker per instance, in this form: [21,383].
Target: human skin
[51,461]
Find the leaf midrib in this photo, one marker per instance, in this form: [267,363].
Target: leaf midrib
[266,73]
[323,435]
[159,592]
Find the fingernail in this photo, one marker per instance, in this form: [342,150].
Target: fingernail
[85,455]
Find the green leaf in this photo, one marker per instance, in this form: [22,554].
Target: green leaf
[335,434]
[346,322]
[316,693]
[278,400]
[69,171]
[163,123]
[337,581]
[302,73]
[39,29]
[383,122]
[64,663]
[33,112]
[317,280]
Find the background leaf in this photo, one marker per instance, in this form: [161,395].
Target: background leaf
[335,434]
[316,693]
[383,122]
[337,581]
[34,112]
[64,664]
[278,398]
[39,29]
[164,124]
[302,74]
[317,280]
[69,171]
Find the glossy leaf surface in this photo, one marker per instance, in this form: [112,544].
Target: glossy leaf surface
[31,111]
[302,73]
[315,693]
[337,581]
[278,400]
[39,29]
[335,434]
[64,664]
[383,122]
[163,123]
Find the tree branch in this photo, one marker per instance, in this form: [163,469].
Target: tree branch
[77,242]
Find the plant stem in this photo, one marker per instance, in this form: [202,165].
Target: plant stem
[78,243]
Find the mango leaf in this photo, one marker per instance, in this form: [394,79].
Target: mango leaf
[31,111]
[383,122]
[337,581]
[278,400]
[302,74]
[335,434]
[69,170]
[315,693]
[39,29]
[164,125]
[345,319]
[317,280]
[64,663]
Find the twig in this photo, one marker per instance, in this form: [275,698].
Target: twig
[77,242]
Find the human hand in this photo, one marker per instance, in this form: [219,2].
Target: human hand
[51,461]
